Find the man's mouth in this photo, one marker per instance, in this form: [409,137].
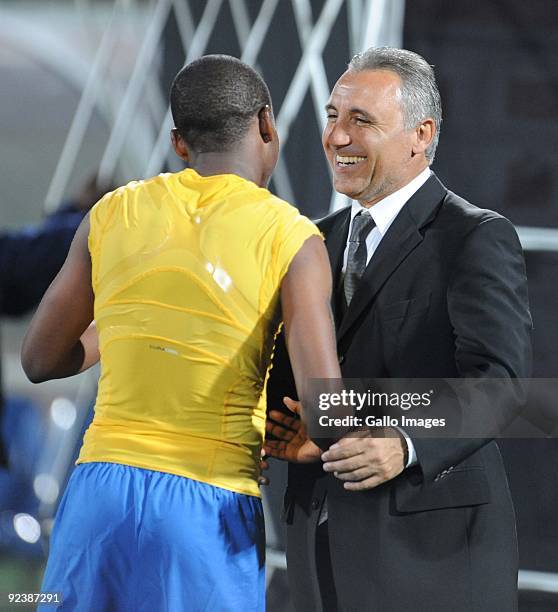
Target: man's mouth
[348,160]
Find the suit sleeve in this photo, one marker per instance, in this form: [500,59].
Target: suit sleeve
[280,382]
[489,311]
[31,258]
[488,304]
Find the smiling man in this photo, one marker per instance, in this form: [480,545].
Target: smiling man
[367,140]
[426,286]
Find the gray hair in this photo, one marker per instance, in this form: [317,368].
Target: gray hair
[420,98]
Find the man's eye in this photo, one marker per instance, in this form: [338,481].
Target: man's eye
[361,120]
[331,117]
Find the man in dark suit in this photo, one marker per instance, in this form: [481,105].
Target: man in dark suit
[426,286]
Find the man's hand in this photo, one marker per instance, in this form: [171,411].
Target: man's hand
[364,460]
[293,444]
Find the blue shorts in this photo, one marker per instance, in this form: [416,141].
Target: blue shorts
[129,539]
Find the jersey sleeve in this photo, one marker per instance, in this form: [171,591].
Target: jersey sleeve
[293,231]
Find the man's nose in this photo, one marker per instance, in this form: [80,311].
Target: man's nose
[338,135]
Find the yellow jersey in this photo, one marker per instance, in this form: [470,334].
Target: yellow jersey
[186,272]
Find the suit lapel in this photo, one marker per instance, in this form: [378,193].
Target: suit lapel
[401,239]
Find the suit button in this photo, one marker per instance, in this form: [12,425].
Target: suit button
[341,359]
[315,503]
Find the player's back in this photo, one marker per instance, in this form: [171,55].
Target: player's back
[186,272]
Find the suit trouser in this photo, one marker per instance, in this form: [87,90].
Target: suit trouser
[324,569]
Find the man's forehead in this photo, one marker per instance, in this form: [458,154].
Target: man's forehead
[365,84]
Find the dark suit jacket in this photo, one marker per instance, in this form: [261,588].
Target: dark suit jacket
[444,296]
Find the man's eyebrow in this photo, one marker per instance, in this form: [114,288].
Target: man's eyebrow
[359,111]
[353,111]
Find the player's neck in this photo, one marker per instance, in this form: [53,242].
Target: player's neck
[229,162]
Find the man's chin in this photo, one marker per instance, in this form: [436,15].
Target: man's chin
[360,195]
[345,189]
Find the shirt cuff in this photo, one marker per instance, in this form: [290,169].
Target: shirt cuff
[411,452]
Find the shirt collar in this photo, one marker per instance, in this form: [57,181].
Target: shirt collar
[385,211]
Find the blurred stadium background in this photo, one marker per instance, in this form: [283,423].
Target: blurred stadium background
[84,90]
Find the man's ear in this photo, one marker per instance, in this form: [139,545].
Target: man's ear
[179,146]
[266,124]
[423,136]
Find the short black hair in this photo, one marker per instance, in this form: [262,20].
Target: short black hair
[213,100]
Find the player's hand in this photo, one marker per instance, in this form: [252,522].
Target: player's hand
[366,459]
[292,443]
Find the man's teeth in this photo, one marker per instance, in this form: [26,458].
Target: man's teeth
[345,161]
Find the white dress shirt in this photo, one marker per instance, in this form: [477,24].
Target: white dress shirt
[384,213]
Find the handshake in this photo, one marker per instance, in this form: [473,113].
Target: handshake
[362,459]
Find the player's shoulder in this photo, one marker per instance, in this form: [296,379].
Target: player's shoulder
[139,186]
[276,203]
[121,200]
[278,208]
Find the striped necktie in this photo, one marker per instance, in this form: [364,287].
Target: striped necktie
[357,254]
